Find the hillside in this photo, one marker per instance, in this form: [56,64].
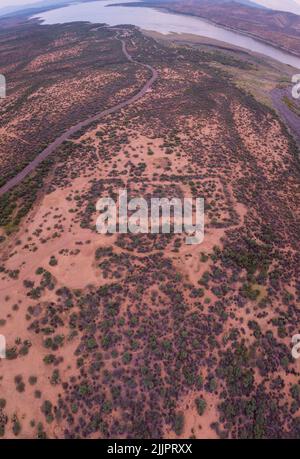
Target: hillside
[278,28]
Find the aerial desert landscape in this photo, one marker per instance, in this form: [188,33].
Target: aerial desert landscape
[138,336]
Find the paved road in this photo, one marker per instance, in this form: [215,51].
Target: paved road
[72,130]
[291,118]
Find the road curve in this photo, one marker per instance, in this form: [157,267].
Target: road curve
[74,129]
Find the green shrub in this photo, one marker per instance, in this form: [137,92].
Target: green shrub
[200,405]
[178,423]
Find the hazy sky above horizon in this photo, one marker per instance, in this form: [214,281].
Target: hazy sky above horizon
[5,3]
[286,5]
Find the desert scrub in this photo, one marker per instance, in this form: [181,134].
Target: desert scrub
[126,358]
[41,434]
[54,343]
[32,380]
[2,403]
[53,261]
[16,204]
[16,426]
[25,348]
[11,353]
[20,385]
[2,429]
[200,405]
[74,408]
[178,423]
[48,359]
[55,378]
[46,409]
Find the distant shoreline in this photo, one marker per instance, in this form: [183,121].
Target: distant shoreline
[29,13]
[231,29]
[142,4]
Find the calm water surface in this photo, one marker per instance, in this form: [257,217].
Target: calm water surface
[160,21]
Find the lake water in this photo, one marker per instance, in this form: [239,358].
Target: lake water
[160,21]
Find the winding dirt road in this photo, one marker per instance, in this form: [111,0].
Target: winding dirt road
[74,129]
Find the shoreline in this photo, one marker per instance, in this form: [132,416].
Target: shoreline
[29,13]
[231,29]
[31,16]
[212,22]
